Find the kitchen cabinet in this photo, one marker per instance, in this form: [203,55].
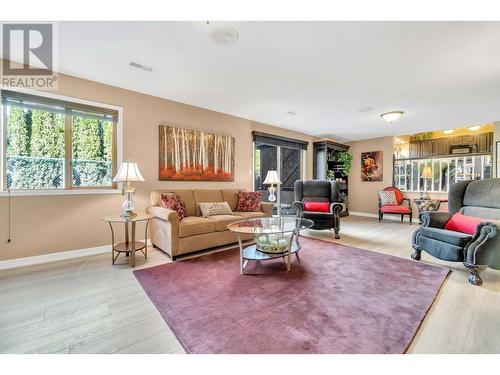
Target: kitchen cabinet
[480,143]
[441,147]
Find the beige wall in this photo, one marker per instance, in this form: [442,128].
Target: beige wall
[48,224]
[363,195]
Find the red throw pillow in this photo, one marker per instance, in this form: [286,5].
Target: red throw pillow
[175,203]
[317,206]
[249,201]
[464,224]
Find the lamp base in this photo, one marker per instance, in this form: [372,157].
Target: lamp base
[128,214]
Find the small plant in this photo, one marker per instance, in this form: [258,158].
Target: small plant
[342,157]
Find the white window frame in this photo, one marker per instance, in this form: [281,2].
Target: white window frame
[74,191]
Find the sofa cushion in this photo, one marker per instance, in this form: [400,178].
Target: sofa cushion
[172,201]
[249,201]
[454,238]
[214,208]
[231,197]
[249,215]
[206,195]
[317,215]
[222,221]
[387,198]
[464,224]
[186,195]
[193,225]
[317,206]
[395,209]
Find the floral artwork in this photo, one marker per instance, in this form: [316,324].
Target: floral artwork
[371,166]
[194,155]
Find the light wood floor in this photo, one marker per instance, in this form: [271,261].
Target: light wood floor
[88,306]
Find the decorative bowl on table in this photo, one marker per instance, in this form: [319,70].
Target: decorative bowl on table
[271,243]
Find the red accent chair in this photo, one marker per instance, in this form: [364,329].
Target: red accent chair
[395,210]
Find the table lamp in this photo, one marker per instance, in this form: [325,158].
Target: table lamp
[128,172]
[272,179]
[426,173]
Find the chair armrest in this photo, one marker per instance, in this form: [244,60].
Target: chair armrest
[435,219]
[267,208]
[163,213]
[480,250]
[299,206]
[335,208]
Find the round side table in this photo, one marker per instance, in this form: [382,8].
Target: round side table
[130,246]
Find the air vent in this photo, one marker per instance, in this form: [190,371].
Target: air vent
[140,66]
[223,35]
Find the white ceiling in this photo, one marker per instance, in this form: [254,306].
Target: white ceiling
[442,74]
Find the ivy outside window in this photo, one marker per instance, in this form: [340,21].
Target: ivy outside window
[53,144]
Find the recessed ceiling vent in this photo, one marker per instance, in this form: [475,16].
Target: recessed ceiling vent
[140,66]
[223,35]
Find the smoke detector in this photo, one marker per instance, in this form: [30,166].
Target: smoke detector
[223,35]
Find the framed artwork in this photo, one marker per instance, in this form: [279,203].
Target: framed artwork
[195,155]
[372,166]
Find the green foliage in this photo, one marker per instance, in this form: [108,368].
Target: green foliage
[36,150]
[342,157]
[47,134]
[18,132]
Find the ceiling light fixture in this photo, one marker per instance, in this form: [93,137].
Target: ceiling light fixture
[223,35]
[392,116]
[140,66]
[448,131]
[474,128]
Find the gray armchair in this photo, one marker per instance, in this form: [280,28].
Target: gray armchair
[477,251]
[319,191]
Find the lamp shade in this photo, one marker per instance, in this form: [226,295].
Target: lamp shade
[427,172]
[128,172]
[272,178]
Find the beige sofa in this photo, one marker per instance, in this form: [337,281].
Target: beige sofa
[194,232]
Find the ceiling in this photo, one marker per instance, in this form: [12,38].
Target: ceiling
[338,77]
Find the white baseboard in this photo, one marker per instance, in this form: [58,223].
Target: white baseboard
[53,257]
[394,217]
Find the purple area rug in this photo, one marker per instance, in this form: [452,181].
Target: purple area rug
[336,299]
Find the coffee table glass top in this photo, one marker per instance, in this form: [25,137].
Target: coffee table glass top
[269,225]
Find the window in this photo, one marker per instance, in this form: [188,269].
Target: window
[51,144]
[445,171]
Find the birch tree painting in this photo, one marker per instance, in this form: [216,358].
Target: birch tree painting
[194,155]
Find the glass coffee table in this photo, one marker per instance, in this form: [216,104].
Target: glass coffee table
[275,237]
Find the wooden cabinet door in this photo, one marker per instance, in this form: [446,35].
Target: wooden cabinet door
[441,147]
[484,142]
[415,149]
[467,139]
[456,141]
[426,148]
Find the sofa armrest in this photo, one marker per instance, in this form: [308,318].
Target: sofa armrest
[299,207]
[335,208]
[267,208]
[435,219]
[163,213]
[484,247]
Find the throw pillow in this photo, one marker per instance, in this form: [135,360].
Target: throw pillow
[249,201]
[215,208]
[387,198]
[175,203]
[464,224]
[317,206]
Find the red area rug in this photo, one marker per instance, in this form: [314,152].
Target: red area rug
[336,299]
